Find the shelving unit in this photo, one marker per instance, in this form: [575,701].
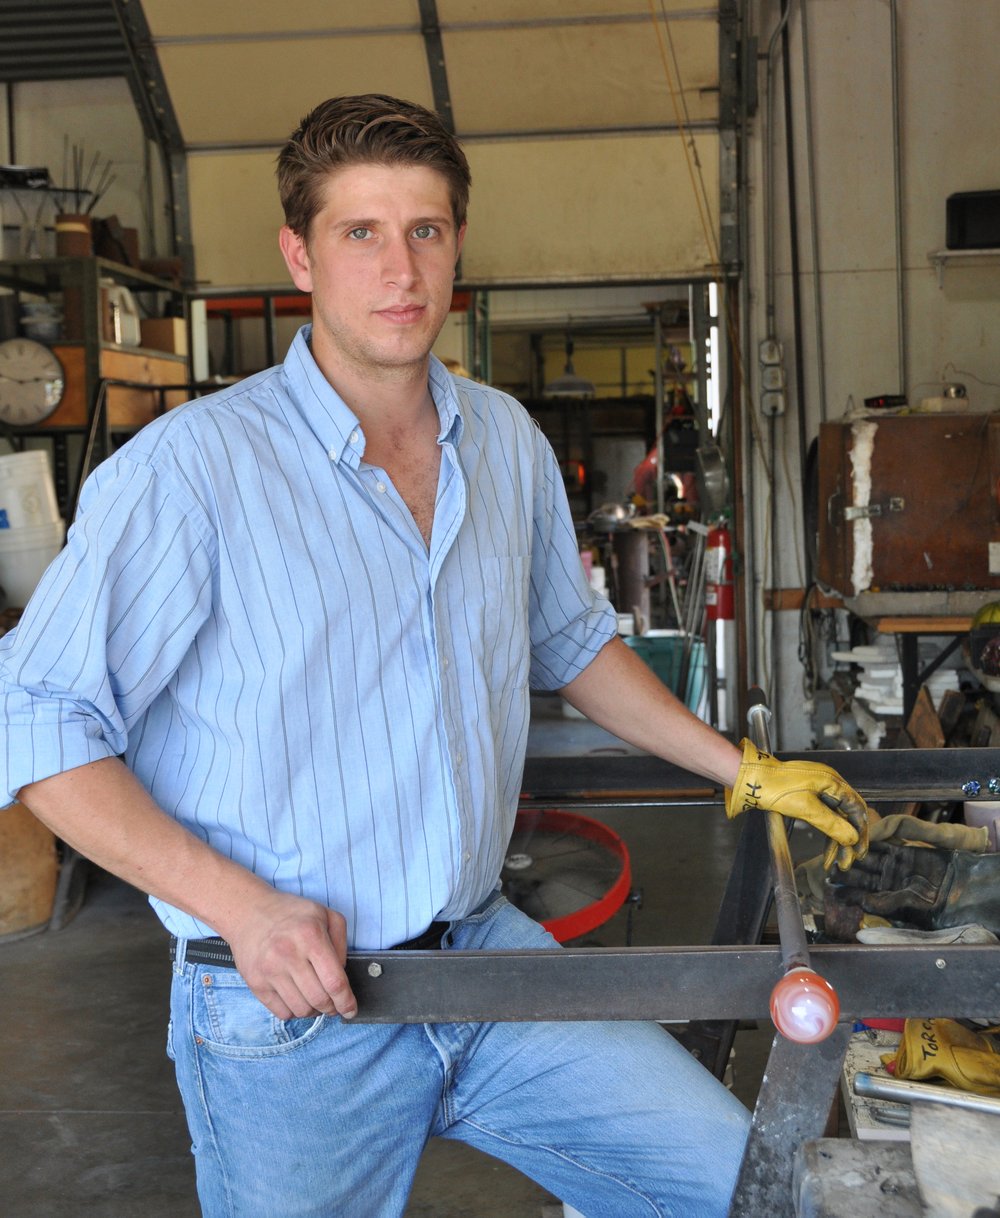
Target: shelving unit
[28,215]
[941,258]
[100,375]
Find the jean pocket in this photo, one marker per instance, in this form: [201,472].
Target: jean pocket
[230,1019]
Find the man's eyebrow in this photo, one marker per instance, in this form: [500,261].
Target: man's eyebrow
[444,219]
[358,223]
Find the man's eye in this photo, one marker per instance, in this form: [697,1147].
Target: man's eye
[423,231]
[359,234]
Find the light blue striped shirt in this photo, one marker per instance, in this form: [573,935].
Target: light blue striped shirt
[248,613]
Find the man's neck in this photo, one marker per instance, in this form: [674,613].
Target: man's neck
[395,398]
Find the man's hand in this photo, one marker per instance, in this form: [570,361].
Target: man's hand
[924,887]
[291,952]
[805,790]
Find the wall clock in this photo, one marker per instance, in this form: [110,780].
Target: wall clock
[32,382]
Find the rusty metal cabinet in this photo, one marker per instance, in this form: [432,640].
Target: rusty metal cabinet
[908,503]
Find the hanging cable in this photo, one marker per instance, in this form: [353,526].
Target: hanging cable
[897,177]
[768,175]
[813,222]
[793,227]
[769,638]
[689,145]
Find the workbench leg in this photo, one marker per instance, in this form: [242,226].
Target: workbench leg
[909,663]
[742,917]
[793,1106]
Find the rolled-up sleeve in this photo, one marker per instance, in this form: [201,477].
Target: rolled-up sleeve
[106,628]
[569,621]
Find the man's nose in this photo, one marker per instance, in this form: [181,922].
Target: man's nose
[400,264]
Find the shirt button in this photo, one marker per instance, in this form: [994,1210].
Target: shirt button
[332,454]
[444,662]
[353,437]
[467,856]
[459,759]
[380,487]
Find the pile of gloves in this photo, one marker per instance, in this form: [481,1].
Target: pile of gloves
[896,871]
[916,876]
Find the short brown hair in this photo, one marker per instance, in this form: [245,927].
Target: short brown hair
[371,129]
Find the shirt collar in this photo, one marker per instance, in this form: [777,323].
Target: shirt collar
[333,422]
[446,399]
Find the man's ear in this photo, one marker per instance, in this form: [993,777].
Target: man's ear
[296,256]
[460,241]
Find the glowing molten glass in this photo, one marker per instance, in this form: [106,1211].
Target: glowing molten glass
[804,1007]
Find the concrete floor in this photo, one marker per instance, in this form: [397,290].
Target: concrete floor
[90,1122]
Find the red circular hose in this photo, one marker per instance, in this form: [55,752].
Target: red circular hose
[596,913]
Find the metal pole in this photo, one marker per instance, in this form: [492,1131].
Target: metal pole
[794,949]
[658,390]
[903,1092]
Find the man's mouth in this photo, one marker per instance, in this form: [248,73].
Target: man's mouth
[402,314]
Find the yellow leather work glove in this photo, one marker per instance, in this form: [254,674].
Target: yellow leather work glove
[805,790]
[942,1048]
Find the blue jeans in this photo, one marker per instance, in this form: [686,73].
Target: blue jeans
[320,1118]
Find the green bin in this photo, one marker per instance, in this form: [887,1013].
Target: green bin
[664,653]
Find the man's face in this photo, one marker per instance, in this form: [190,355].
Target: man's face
[380,263]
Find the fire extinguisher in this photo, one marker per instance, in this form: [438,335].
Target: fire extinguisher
[719,601]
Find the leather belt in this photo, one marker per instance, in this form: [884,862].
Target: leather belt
[217,952]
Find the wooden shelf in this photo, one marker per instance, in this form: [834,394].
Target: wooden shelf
[41,274]
[127,408]
[89,407]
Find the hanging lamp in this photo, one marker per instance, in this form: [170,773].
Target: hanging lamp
[569,385]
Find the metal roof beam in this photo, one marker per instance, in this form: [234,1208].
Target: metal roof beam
[446,27]
[152,99]
[430,28]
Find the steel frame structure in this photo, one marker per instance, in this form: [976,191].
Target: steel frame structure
[708,989]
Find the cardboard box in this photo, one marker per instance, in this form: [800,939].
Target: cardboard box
[165,334]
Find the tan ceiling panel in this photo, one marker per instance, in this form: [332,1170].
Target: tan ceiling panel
[211,18]
[234,93]
[582,76]
[588,209]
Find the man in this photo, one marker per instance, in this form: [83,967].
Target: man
[307,611]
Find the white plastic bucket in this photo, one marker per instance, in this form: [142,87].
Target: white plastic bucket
[24,555]
[27,491]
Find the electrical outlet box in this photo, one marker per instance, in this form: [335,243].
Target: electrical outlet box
[772,403]
[772,376]
[770,351]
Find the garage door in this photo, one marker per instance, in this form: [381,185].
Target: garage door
[591,125]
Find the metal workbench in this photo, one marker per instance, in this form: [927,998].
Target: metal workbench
[711,988]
